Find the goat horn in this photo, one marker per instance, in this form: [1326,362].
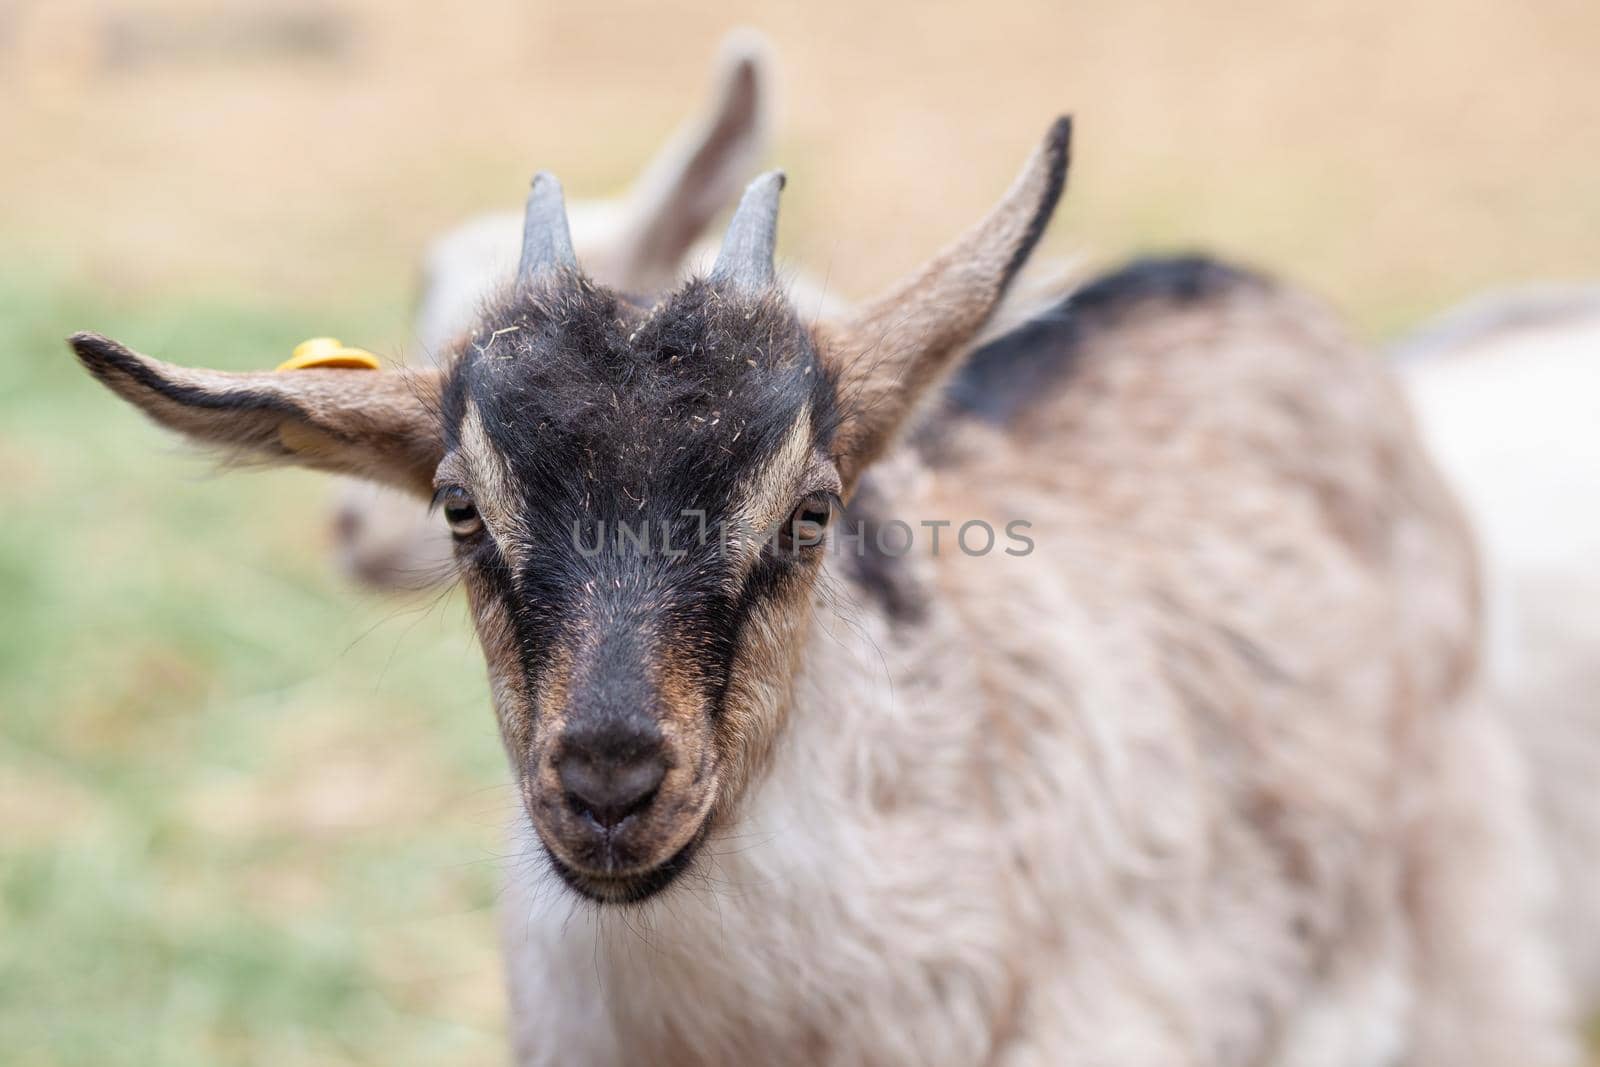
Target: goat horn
[546,240]
[746,257]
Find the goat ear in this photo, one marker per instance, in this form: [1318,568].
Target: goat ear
[700,170]
[379,425]
[892,352]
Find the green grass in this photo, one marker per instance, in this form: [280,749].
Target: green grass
[250,816]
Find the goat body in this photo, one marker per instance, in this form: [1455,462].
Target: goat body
[1205,778]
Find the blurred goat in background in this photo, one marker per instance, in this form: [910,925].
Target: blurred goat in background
[1507,390]
[639,243]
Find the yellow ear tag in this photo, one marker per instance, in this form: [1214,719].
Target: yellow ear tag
[328,352]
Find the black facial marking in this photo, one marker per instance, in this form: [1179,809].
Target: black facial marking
[635,888]
[627,433]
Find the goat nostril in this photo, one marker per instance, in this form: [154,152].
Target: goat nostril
[609,791]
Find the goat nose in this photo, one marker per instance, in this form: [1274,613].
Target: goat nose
[608,785]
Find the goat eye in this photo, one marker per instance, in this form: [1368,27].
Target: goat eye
[460,514]
[807,524]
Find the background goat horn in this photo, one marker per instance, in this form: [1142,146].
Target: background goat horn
[546,240]
[745,260]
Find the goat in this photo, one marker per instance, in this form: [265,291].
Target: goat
[638,243]
[1505,390]
[1204,777]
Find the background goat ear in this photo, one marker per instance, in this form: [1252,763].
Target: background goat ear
[380,425]
[895,350]
[700,170]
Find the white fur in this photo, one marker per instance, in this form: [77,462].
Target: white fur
[1508,395]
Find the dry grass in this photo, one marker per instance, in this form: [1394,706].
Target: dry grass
[248,817]
[1396,156]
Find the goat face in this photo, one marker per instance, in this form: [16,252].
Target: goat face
[639,498]
[611,475]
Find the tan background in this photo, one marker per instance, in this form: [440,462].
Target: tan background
[1394,155]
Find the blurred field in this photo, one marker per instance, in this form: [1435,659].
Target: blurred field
[245,817]
[249,816]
